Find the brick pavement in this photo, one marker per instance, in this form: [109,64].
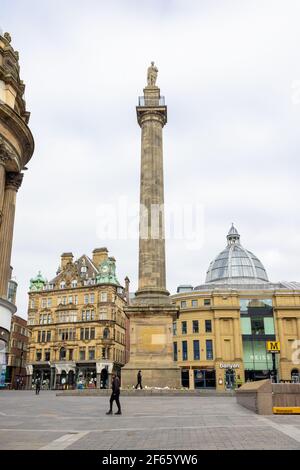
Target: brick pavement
[47,421]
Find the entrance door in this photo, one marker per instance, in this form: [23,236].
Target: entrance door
[230,379]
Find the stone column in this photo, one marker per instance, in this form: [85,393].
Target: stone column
[237,338]
[152,270]
[2,184]
[12,184]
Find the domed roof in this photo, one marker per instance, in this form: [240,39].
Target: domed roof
[235,264]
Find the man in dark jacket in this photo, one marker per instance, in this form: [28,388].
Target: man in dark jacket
[139,379]
[37,386]
[115,386]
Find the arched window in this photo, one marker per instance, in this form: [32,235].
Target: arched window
[106,333]
[62,354]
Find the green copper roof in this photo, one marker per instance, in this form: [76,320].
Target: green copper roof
[107,272]
[37,283]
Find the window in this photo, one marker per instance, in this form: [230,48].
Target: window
[62,285]
[43,336]
[195,326]
[208,328]
[92,298]
[209,350]
[103,314]
[183,327]
[106,333]
[39,336]
[257,326]
[194,303]
[91,354]
[44,303]
[196,346]
[175,328]
[86,333]
[64,300]
[104,353]
[38,355]
[82,354]
[48,336]
[49,302]
[62,354]
[206,302]
[83,269]
[32,303]
[67,317]
[81,333]
[183,304]
[92,335]
[74,283]
[86,298]
[103,297]
[49,319]
[47,354]
[76,299]
[184,351]
[70,354]
[175,352]
[70,299]
[269,326]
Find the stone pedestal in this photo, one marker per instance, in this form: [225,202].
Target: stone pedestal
[151,347]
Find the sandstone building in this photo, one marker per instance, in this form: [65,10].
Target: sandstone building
[220,337]
[78,323]
[16,149]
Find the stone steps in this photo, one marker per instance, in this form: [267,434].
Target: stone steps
[144,393]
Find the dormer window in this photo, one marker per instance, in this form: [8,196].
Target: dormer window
[83,269]
[62,285]
[74,283]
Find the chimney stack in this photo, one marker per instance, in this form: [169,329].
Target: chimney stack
[65,259]
[99,255]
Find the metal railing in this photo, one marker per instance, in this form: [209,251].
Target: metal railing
[151,102]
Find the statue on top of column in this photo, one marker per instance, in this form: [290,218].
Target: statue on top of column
[152,74]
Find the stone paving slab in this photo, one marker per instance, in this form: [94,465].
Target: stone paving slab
[28,421]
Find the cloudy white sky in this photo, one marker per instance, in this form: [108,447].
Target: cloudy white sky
[230,72]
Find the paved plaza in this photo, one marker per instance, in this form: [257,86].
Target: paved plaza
[46,421]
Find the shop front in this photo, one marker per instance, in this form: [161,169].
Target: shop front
[204,378]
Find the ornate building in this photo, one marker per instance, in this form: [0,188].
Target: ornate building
[221,334]
[78,323]
[16,149]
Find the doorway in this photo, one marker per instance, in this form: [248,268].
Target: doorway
[230,379]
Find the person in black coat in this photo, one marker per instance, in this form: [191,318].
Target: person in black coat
[115,386]
[37,386]
[139,379]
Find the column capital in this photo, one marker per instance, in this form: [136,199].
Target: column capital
[6,152]
[13,180]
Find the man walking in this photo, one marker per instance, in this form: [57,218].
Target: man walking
[139,379]
[37,386]
[115,385]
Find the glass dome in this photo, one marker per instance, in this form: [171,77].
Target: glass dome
[235,264]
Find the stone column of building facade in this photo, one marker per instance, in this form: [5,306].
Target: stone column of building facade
[151,313]
[16,149]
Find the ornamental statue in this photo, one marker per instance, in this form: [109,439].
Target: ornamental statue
[152,74]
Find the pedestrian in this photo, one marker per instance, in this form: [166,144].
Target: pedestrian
[18,383]
[115,386]
[37,386]
[139,379]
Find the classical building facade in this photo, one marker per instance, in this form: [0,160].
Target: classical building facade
[221,334]
[151,311]
[78,323]
[17,353]
[16,149]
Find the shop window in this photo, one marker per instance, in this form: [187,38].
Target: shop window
[184,351]
[196,350]
[184,327]
[195,326]
[208,328]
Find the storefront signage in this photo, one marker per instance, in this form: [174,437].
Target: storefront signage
[224,365]
[273,346]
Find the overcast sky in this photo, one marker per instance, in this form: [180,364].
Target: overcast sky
[230,72]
